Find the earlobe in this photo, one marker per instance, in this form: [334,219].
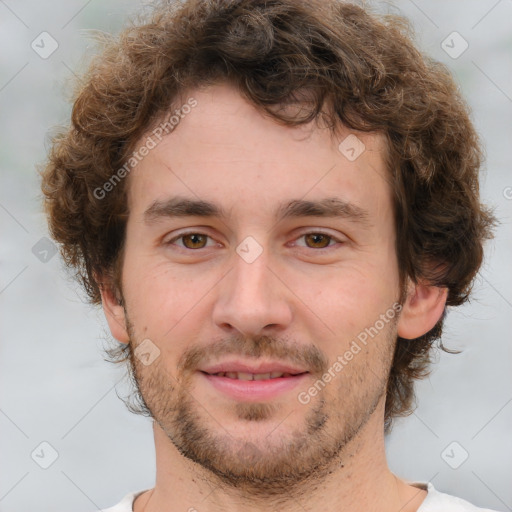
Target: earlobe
[422,309]
[115,314]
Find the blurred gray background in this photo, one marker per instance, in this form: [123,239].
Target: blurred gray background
[56,389]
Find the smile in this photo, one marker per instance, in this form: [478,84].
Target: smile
[254,387]
[252,376]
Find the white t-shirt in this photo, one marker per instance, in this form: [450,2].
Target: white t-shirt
[434,502]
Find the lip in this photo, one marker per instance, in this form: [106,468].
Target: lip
[245,367]
[254,390]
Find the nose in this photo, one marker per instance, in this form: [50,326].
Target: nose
[252,299]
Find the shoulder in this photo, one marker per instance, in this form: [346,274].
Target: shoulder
[440,502]
[126,504]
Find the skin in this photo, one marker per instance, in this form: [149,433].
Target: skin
[294,303]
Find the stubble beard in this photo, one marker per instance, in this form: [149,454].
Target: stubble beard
[277,465]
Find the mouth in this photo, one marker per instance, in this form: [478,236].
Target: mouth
[254,376]
[253,383]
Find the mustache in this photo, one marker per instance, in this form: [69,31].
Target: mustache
[308,356]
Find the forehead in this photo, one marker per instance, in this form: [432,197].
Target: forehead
[224,146]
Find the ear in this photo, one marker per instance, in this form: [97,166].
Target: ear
[114,313]
[421,310]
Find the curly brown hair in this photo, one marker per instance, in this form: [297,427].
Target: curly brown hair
[344,65]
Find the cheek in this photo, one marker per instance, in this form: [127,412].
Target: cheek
[349,295]
[165,300]
[349,301]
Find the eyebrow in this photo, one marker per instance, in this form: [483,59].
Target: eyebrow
[329,207]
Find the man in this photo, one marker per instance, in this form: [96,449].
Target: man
[274,201]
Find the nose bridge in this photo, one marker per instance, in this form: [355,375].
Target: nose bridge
[251,297]
[251,280]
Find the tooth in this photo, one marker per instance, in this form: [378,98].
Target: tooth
[252,376]
[244,376]
[262,376]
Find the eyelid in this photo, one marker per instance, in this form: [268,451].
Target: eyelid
[319,232]
[185,233]
[296,237]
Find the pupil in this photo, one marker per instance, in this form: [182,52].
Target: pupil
[195,239]
[318,238]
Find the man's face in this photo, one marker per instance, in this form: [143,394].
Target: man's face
[254,293]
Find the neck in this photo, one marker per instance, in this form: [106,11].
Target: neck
[359,481]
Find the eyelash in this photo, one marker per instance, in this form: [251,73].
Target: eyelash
[331,237]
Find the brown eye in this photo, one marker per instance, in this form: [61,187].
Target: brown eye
[190,241]
[318,240]
[194,240]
